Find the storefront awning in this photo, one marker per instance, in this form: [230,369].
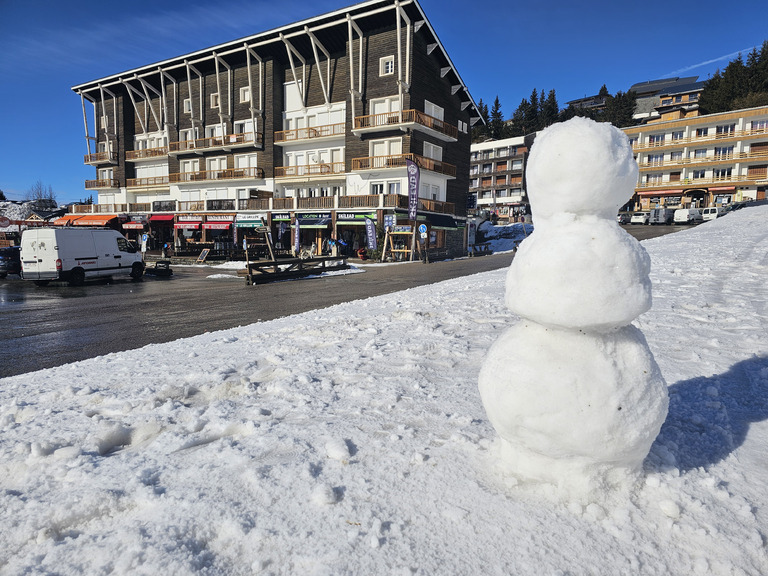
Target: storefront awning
[162,217]
[95,220]
[442,222]
[133,225]
[67,219]
[662,193]
[187,225]
[217,225]
[305,223]
[723,189]
[353,219]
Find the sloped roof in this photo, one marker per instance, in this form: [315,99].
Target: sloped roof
[652,87]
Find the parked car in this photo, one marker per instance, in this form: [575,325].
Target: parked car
[623,218]
[661,216]
[711,213]
[688,216]
[640,218]
[10,261]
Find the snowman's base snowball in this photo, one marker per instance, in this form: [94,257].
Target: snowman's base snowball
[573,404]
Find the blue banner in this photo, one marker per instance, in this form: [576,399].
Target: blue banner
[370,231]
[414,174]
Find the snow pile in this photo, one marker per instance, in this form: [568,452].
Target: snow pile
[503,238]
[574,391]
[352,440]
[15,211]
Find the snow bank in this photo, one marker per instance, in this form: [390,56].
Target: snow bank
[352,440]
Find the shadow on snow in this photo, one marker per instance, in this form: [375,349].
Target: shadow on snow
[709,417]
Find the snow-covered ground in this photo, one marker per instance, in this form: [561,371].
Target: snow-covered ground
[352,440]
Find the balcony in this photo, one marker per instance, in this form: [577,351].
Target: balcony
[146,154]
[714,137]
[250,173]
[102,184]
[413,119]
[710,159]
[315,133]
[311,171]
[149,182]
[227,143]
[100,158]
[398,161]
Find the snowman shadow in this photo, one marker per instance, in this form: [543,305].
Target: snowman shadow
[709,417]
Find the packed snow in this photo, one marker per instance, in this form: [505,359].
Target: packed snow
[352,440]
[574,391]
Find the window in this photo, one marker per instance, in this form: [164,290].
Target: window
[722,173]
[386,66]
[633,141]
[432,151]
[655,159]
[678,99]
[676,156]
[393,187]
[759,125]
[433,110]
[698,174]
[701,132]
[463,127]
[188,134]
[502,152]
[377,188]
[723,152]
[678,135]
[188,105]
[245,94]
[700,153]
[656,139]
[517,164]
[725,129]
[215,100]
[654,179]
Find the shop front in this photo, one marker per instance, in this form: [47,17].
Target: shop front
[350,233]
[660,199]
[161,228]
[186,234]
[314,231]
[280,225]
[219,230]
[134,228]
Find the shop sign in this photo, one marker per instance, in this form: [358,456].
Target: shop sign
[389,220]
[401,229]
[281,216]
[220,218]
[413,188]
[314,216]
[354,217]
[189,218]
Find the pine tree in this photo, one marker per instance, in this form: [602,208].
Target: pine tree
[497,125]
[548,110]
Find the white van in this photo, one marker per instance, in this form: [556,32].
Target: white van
[688,216]
[74,255]
[711,213]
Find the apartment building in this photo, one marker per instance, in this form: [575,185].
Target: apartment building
[702,161]
[313,123]
[497,177]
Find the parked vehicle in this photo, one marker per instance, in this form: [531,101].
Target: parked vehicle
[623,218]
[661,216]
[75,255]
[711,213]
[10,261]
[688,216]
[639,218]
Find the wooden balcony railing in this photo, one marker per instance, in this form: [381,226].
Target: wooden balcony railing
[710,159]
[693,182]
[316,203]
[191,205]
[225,174]
[146,153]
[100,158]
[393,201]
[326,131]
[398,161]
[147,182]
[253,204]
[394,119]
[303,170]
[735,135]
[246,138]
[102,183]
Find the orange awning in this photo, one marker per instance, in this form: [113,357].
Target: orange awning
[66,219]
[95,220]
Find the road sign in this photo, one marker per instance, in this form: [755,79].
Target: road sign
[423,228]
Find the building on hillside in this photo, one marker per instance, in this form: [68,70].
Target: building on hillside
[649,93]
[497,177]
[595,103]
[702,161]
[677,102]
[313,123]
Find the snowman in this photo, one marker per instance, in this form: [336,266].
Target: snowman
[572,389]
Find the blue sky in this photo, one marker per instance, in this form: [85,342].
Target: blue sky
[500,47]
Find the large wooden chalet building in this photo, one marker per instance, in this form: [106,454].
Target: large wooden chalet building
[312,122]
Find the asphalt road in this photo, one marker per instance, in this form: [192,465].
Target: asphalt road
[42,327]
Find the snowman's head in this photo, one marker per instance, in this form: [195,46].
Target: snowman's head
[580,167]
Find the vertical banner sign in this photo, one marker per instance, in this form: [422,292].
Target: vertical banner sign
[297,237]
[370,231]
[413,188]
